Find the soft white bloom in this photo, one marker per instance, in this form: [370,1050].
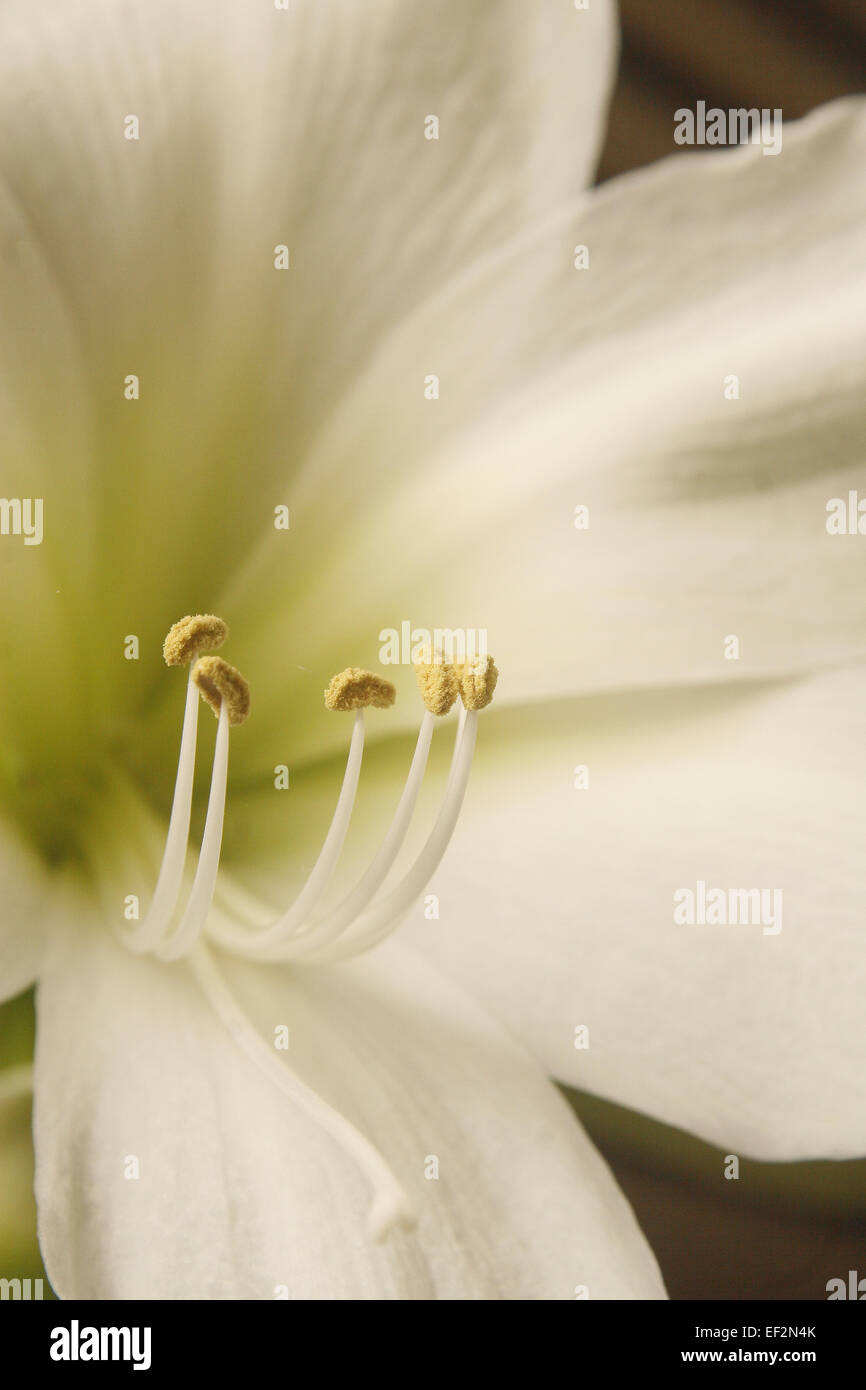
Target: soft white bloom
[259,387]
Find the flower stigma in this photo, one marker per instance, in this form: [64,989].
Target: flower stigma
[237,924]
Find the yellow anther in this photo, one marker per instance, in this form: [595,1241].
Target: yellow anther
[201,632]
[357,689]
[477,678]
[217,681]
[437,682]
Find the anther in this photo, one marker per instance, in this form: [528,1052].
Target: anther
[193,635]
[358,689]
[219,683]
[438,684]
[477,678]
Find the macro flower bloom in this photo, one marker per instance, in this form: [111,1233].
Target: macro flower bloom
[431,386]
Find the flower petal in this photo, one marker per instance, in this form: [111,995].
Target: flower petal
[750,1039]
[239,1194]
[153,258]
[606,388]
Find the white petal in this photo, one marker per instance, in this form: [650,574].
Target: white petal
[605,387]
[155,255]
[750,1039]
[239,1193]
[155,258]
[29,901]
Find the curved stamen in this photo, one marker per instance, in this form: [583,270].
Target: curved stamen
[295,918]
[201,893]
[168,884]
[370,927]
[346,912]
[227,692]
[256,947]
[391,1206]
[377,922]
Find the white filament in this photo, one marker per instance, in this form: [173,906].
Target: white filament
[377,922]
[294,919]
[145,936]
[202,891]
[332,926]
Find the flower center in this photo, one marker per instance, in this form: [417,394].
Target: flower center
[360,921]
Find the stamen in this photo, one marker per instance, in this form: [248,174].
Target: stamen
[331,850]
[222,685]
[477,678]
[322,933]
[438,684]
[211,676]
[377,922]
[391,1206]
[357,689]
[187,639]
[351,689]
[168,884]
[360,926]
[201,893]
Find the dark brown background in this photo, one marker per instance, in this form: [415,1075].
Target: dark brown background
[792,54]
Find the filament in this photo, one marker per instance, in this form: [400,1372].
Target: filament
[202,891]
[148,932]
[378,921]
[332,926]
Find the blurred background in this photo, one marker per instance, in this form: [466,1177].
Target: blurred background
[782,1230]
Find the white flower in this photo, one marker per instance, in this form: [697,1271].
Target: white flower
[167,1164]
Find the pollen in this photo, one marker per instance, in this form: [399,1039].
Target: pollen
[357,689]
[200,632]
[217,681]
[477,679]
[438,684]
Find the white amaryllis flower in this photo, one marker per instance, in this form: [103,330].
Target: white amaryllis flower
[411,258]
